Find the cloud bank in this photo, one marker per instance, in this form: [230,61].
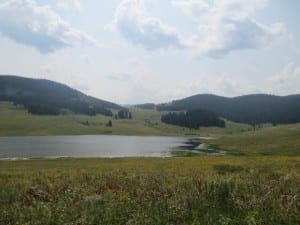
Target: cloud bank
[223,26]
[227,25]
[25,22]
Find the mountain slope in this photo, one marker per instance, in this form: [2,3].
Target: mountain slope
[251,109]
[41,96]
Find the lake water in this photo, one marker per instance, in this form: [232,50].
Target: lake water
[89,146]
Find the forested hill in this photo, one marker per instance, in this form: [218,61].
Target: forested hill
[251,109]
[47,97]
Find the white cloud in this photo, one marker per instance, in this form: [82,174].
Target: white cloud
[224,26]
[223,37]
[120,76]
[39,26]
[192,8]
[227,25]
[286,81]
[223,84]
[88,60]
[69,4]
[238,8]
[137,26]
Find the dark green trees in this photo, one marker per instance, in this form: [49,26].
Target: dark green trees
[42,109]
[251,109]
[124,114]
[109,124]
[193,119]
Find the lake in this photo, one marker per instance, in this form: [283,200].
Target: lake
[90,146]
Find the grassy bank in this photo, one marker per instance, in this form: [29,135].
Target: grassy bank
[198,190]
[272,140]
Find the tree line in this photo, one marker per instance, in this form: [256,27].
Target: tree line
[39,108]
[124,114]
[193,119]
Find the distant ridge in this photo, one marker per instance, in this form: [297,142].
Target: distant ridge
[40,96]
[251,109]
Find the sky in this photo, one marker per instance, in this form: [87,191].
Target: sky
[138,51]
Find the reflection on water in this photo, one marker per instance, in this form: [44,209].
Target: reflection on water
[94,146]
[87,146]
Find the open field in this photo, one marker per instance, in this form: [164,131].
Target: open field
[15,121]
[279,140]
[258,183]
[197,190]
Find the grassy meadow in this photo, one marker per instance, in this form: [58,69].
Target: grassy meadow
[16,121]
[269,140]
[256,183]
[197,190]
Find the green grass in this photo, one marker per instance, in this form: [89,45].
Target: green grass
[279,140]
[15,121]
[248,190]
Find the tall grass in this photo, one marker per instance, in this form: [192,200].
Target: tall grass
[150,191]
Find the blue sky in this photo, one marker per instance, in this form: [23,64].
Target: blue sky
[135,51]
